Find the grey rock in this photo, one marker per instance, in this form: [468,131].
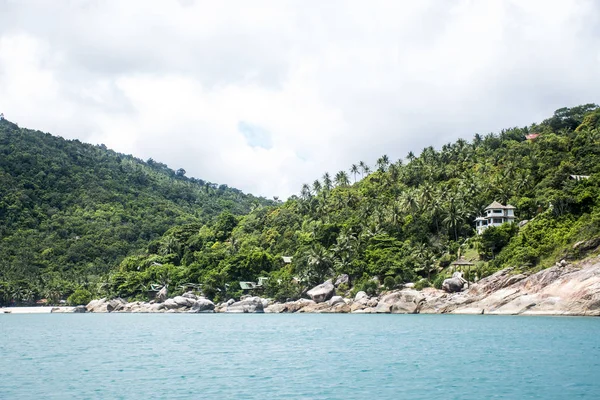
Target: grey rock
[203,305]
[360,295]
[248,305]
[184,301]
[190,295]
[322,292]
[454,284]
[343,278]
[336,300]
[162,294]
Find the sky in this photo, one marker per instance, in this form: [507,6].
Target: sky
[267,95]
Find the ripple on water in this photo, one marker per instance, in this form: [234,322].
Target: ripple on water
[136,356]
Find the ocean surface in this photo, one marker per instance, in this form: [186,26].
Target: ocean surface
[200,356]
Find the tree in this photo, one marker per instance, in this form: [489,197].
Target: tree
[341,178]
[354,171]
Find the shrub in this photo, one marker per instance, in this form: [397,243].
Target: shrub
[79,297]
[422,284]
[389,282]
[439,280]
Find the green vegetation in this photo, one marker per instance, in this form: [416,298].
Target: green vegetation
[70,212]
[403,221]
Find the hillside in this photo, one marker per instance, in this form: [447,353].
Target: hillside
[389,224]
[402,221]
[70,211]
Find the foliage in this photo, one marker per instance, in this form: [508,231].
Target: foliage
[73,222]
[79,297]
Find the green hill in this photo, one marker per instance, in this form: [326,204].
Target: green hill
[402,221]
[71,211]
[385,225]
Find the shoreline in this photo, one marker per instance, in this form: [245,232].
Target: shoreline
[561,290]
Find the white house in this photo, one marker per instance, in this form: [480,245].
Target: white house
[495,215]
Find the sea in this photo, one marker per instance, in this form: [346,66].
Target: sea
[293,356]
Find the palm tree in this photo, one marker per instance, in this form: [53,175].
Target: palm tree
[362,165]
[341,178]
[354,171]
[410,156]
[383,162]
[305,192]
[327,181]
[455,216]
[317,186]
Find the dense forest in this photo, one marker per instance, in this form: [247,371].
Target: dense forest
[70,212]
[384,224]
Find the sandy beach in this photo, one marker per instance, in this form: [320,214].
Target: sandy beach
[34,310]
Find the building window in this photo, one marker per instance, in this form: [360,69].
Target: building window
[498,211]
[498,220]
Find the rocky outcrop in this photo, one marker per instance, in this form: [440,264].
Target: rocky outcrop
[454,284]
[564,289]
[342,279]
[322,292]
[248,305]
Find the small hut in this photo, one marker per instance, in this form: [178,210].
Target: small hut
[460,265]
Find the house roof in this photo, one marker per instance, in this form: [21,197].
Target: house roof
[532,136]
[579,177]
[462,261]
[247,285]
[508,206]
[494,204]
[287,259]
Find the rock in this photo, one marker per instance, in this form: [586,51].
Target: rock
[276,308]
[342,279]
[315,308]
[97,306]
[190,295]
[372,302]
[248,305]
[360,295]
[115,304]
[230,302]
[162,294]
[454,284]
[336,300]
[322,292]
[170,304]
[409,285]
[202,305]
[184,301]
[78,309]
[356,306]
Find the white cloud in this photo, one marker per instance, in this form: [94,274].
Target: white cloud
[332,83]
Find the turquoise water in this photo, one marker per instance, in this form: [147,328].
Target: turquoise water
[133,356]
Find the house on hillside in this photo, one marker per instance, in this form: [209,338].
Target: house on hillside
[495,215]
[1,116]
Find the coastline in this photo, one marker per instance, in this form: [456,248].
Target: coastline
[561,290]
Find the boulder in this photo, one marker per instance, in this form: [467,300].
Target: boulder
[372,302]
[170,304]
[203,305]
[248,305]
[360,295]
[115,304]
[184,301]
[190,295]
[322,292]
[97,306]
[343,278]
[162,294]
[454,284]
[336,300]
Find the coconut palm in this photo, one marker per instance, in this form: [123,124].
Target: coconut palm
[327,185]
[341,179]
[354,171]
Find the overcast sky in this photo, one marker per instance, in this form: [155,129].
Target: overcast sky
[267,95]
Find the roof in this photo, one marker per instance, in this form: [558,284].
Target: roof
[494,204]
[287,259]
[247,285]
[532,136]
[462,261]
[508,206]
[579,177]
